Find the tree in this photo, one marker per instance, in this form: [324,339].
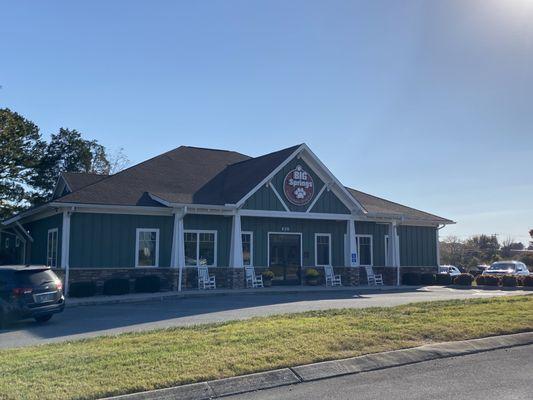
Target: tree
[118,161]
[452,251]
[67,152]
[484,247]
[531,243]
[21,147]
[508,246]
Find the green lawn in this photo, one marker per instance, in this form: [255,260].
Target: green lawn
[106,366]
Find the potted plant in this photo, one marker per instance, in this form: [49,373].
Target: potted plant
[268,275]
[311,276]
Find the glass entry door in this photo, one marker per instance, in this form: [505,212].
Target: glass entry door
[285,253]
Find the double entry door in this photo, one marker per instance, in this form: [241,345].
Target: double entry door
[285,258]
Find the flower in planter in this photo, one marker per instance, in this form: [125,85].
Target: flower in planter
[311,276]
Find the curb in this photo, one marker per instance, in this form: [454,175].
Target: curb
[70,303]
[329,369]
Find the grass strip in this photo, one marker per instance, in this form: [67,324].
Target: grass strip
[111,365]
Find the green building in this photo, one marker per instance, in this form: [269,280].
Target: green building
[194,207]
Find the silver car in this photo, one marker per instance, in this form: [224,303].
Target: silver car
[507,268]
[451,270]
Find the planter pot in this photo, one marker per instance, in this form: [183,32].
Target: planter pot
[267,282]
[312,282]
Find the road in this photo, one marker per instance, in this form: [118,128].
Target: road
[499,374]
[90,321]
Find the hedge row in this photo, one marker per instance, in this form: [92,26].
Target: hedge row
[116,286]
[416,279]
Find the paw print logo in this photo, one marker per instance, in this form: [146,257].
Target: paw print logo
[300,193]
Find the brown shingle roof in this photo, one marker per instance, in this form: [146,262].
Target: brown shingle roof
[192,175]
[78,180]
[182,172]
[374,204]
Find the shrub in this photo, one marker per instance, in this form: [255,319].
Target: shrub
[509,281]
[480,280]
[443,279]
[311,273]
[116,286]
[528,280]
[82,289]
[148,284]
[490,280]
[463,280]
[411,278]
[268,275]
[427,279]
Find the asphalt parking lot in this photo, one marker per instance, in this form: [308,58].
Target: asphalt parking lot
[89,321]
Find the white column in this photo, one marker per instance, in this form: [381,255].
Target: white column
[236,242]
[353,257]
[174,249]
[394,249]
[180,251]
[65,248]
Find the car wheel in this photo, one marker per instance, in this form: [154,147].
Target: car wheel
[43,318]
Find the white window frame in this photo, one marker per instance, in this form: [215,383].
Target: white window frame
[251,248]
[357,237]
[317,235]
[198,231]
[387,249]
[52,231]
[137,234]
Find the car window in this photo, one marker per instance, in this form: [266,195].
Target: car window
[502,266]
[34,277]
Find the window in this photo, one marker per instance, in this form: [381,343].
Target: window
[51,248]
[364,249]
[322,249]
[200,248]
[7,243]
[387,261]
[147,248]
[247,249]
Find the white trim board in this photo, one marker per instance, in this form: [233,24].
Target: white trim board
[285,233]
[328,235]
[198,231]
[251,233]
[139,230]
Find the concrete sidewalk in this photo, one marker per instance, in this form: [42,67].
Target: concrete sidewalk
[191,293]
[330,369]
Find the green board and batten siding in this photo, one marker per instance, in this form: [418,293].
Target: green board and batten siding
[265,199]
[39,231]
[262,226]
[418,246]
[108,240]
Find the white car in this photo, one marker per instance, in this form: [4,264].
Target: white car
[450,270]
[507,268]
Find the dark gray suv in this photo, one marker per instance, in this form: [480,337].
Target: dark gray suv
[29,291]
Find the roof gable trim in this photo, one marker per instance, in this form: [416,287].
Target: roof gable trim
[319,168]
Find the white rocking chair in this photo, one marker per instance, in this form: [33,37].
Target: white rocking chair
[205,281]
[252,280]
[331,278]
[373,279]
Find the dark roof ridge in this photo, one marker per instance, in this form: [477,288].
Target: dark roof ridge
[265,155]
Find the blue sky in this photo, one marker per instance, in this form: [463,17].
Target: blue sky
[428,103]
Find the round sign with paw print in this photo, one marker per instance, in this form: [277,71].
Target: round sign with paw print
[298,186]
